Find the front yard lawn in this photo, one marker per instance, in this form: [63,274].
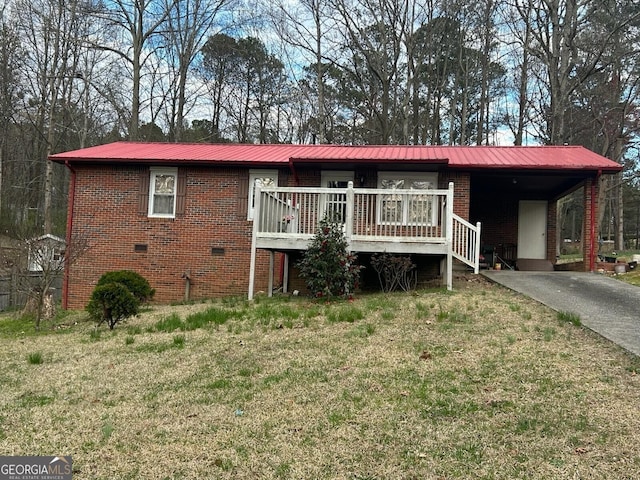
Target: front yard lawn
[479,383]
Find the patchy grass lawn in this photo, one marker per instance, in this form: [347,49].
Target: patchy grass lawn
[478,383]
[632,277]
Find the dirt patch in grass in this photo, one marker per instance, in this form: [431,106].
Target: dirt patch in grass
[475,383]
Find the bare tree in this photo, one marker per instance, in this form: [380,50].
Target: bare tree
[50,31]
[374,33]
[308,27]
[134,22]
[184,34]
[516,41]
[9,63]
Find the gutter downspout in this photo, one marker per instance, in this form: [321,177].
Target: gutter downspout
[70,209]
[592,226]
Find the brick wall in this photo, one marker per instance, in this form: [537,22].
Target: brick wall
[587,236]
[462,191]
[499,218]
[211,240]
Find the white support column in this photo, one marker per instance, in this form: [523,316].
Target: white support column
[348,232]
[476,261]
[256,225]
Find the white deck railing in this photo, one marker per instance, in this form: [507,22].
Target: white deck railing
[366,213]
[409,221]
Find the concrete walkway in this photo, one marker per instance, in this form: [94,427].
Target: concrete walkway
[605,305]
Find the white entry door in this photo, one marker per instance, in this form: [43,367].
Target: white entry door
[334,205]
[532,229]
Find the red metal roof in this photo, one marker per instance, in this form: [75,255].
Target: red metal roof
[462,157]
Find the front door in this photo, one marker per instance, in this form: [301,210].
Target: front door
[532,229]
[334,205]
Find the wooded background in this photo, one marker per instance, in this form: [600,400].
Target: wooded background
[76,73]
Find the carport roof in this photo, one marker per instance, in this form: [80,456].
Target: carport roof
[564,158]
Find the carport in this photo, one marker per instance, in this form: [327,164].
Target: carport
[517,207]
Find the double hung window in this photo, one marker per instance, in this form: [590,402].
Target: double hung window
[403,207]
[162,192]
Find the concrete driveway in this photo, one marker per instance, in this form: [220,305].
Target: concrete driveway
[605,305]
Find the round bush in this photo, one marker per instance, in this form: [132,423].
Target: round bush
[136,283]
[112,303]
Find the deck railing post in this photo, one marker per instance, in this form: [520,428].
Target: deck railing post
[348,221]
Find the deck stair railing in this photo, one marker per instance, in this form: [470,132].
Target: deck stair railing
[465,242]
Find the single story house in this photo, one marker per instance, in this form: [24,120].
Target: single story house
[207,220]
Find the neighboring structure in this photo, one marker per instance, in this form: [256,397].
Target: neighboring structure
[182,215]
[27,265]
[46,253]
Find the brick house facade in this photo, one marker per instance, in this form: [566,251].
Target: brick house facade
[202,248]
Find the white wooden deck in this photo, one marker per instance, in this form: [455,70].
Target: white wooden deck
[375,220]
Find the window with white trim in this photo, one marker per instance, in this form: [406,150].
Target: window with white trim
[162,192]
[404,209]
[263,178]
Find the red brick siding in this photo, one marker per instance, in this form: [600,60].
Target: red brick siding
[461,191]
[498,214]
[587,237]
[107,214]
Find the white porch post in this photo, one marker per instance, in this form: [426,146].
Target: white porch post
[256,222]
[449,239]
[348,231]
[476,257]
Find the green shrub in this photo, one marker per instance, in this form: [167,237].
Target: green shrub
[35,358]
[327,267]
[135,283]
[112,303]
[118,296]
